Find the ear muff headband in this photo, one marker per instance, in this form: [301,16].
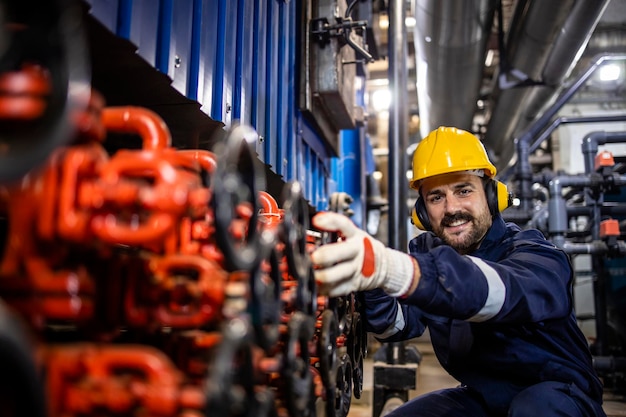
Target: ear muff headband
[498,200]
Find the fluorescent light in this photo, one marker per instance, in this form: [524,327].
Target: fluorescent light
[609,72]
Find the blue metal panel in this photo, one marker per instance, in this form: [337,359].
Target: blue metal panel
[370,163]
[284,89]
[242,95]
[351,167]
[239,59]
[124,18]
[290,171]
[259,86]
[223,61]
[144,27]
[181,52]
[194,53]
[105,11]
[230,58]
[166,9]
[208,75]
[218,80]
[314,167]
[271,82]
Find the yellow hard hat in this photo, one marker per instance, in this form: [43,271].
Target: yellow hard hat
[448,149]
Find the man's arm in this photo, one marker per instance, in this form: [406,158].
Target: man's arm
[531,283]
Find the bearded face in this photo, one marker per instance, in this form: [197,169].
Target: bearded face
[458,210]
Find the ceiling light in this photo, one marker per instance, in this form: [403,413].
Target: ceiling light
[383,21]
[381,99]
[609,72]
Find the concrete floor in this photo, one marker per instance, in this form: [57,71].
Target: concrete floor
[430,377]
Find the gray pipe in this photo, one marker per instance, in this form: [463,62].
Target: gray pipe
[398,127]
[544,36]
[450,45]
[524,170]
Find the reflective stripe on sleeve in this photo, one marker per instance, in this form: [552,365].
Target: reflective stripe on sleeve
[394,327]
[496,295]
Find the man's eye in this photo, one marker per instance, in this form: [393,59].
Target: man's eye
[434,198]
[465,191]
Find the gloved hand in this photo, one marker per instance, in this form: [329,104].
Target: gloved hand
[358,262]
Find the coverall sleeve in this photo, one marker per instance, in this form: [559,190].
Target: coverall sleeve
[528,282]
[389,320]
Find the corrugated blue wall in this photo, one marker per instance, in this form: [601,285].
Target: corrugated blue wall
[239,60]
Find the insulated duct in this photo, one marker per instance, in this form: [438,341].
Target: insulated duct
[450,41]
[545,42]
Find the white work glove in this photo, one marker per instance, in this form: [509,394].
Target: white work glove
[358,262]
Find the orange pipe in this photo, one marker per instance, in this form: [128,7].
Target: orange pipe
[146,123]
[269,211]
[206,159]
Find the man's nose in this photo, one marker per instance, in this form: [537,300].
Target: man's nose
[453,204]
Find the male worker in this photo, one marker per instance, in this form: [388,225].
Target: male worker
[496,299]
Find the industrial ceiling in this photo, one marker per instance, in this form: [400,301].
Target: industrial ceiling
[492,67]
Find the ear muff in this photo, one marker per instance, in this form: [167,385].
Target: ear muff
[419,215]
[498,199]
[498,196]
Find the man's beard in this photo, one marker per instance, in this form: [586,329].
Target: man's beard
[471,239]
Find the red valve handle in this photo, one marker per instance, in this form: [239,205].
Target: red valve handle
[144,122]
[79,166]
[200,297]
[23,94]
[161,202]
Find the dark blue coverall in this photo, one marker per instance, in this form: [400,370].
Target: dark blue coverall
[501,322]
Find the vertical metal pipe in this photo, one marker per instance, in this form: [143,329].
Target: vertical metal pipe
[398,127]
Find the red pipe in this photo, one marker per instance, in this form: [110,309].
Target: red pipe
[146,123]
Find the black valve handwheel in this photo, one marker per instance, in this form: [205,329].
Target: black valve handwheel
[266,304]
[47,35]
[327,349]
[306,294]
[236,181]
[230,387]
[299,389]
[340,305]
[265,404]
[343,393]
[357,345]
[294,230]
